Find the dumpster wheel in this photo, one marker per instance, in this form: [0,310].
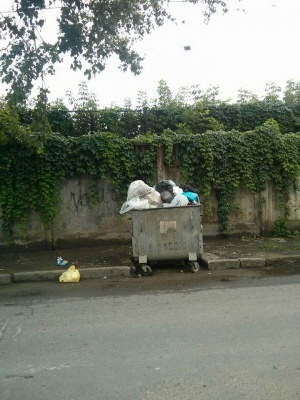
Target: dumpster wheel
[145,269]
[194,266]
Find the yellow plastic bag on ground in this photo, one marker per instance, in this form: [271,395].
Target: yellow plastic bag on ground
[71,275]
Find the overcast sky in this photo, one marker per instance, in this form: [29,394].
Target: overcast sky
[239,50]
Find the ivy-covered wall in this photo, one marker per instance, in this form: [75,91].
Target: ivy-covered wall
[34,172]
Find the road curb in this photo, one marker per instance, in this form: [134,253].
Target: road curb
[222,263]
[274,262]
[95,273]
[291,261]
[253,262]
[5,279]
[36,276]
[85,273]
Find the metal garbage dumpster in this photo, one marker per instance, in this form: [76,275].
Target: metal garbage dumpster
[166,234]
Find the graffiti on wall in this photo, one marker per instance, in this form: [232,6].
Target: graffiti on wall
[106,202]
[79,201]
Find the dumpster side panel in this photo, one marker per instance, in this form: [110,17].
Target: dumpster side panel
[170,233]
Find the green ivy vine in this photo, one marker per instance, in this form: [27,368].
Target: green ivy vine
[31,180]
[220,162]
[31,175]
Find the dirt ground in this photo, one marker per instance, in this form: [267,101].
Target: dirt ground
[16,259]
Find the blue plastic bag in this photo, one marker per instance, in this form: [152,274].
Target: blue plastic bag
[192,197]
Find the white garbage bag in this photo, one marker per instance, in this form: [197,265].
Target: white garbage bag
[135,204]
[154,199]
[138,189]
[178,201]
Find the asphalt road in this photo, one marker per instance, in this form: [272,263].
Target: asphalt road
[130,339]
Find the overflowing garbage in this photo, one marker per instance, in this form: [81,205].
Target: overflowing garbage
[165,193]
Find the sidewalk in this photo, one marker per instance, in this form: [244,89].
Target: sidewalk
[21,265]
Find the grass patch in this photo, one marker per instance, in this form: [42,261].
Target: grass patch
[275,246]
[296,245]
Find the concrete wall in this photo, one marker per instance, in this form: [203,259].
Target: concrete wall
[82,222]
[255,214]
